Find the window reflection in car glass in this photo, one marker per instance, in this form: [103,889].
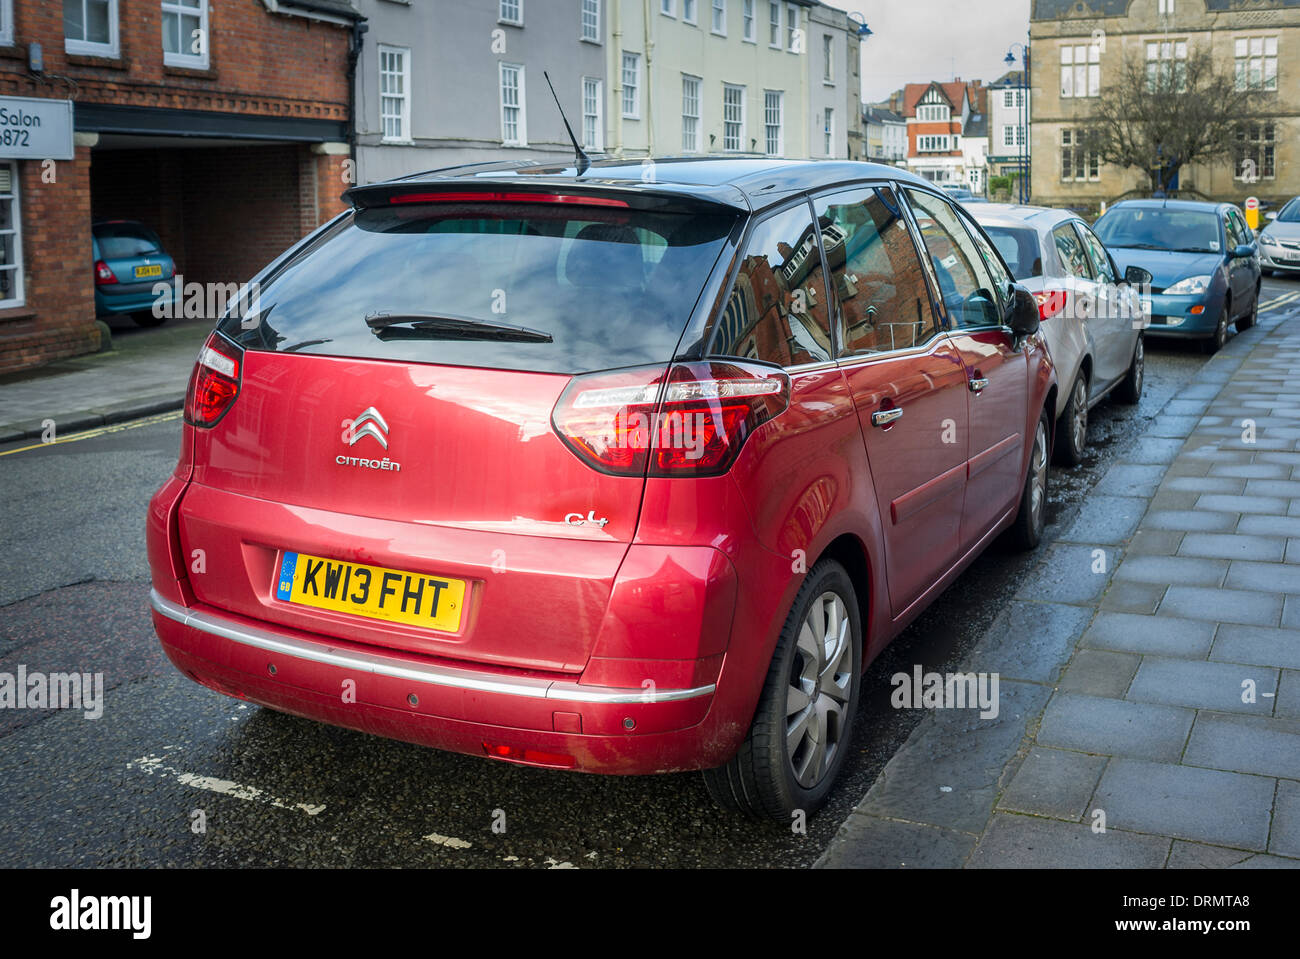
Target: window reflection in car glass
[965,285]
[777,310]
[875,271]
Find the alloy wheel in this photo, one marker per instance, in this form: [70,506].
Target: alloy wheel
[820,686]
[1079,421]
[1038,473]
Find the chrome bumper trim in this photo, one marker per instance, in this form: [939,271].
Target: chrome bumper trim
[415,672]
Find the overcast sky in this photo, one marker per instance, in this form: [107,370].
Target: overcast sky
[917,40]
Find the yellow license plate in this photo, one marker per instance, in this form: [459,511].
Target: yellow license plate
[144,272]
[435,602]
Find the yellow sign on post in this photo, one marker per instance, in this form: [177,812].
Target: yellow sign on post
[1252,212]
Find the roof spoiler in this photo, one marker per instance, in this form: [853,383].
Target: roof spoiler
[610,194]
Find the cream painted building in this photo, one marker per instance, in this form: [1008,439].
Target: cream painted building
[1078,47]
[725,76]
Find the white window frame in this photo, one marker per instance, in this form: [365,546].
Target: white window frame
[934,113]
[6,22]
[521,123]
[584,7]
[1080,70]
[404,118]
[749,21]
[19,297]
[828,53]
[717,7]
[196,61]
[727,87]
[694,15]
[1165,8]
[598,142]
[86,48]
[515,21]
[792,29]
[1242,59]
[768,125]
[697,84]
[668,8]
[828,131]
[634,86]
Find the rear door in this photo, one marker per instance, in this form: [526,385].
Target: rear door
[1111,323]
[398,384]
[907,381]
[975,296]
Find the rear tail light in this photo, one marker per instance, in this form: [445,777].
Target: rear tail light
[693,422]
[103,275]
[534,756]
[214,384]
[1050,303]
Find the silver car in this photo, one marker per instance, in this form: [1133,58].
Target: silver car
[1279,242]
[1091,318]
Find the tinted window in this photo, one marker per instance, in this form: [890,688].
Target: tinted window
[1159,228]
[1291,212]
[1069,250]
[875,272]
[968,289]
[610,288]
[1097,254]
[1238,231]
[777,310]
[1019,247]
[126,239]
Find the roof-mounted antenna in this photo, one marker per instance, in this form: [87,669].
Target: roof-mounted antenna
[584,161]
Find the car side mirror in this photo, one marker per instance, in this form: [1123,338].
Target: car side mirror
[1271,215]
[1243,250]
[1136,276]
[1024,313]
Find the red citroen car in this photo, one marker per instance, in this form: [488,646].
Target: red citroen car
[603,471]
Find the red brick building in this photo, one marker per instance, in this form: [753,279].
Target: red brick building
[221,124]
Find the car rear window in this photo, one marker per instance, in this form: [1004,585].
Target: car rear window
[605,288]
[126,239]
[1019,247]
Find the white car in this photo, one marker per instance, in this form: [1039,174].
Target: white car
[1091,317]
[1279,241]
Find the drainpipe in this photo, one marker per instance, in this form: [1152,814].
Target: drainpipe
[359,28]
[646,84]
[616,68]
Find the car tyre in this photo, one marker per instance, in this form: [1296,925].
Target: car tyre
[784,764]
[1130,388]
[1072,428]
[1027,530]
[1216,340]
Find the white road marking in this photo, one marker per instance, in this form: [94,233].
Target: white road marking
[1283,300]
[449,841]
[152,765]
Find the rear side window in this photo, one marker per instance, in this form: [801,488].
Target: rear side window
[1069,250]
[1097,253]
[777,310]
[568,289]
[875,271]
[1019,247]
[126,239]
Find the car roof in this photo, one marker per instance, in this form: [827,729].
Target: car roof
[1204,206]
[746,183]
[1016,214]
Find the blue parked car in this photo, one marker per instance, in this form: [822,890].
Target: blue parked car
[1203,263]
[129,262]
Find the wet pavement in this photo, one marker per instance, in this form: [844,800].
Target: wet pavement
[131,787]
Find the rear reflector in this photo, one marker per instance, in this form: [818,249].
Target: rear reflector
[693,422]
[485,197]
[214,383]
[521,755]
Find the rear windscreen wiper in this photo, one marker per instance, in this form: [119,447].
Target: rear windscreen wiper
[421,326]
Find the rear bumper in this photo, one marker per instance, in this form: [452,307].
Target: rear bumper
[590,728]
[131,298]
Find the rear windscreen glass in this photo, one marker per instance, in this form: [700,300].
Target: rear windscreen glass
[1019,247]
[505,286]
[125,239]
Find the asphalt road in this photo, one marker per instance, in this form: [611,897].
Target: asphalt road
[130,788]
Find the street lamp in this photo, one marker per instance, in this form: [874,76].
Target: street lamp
[1023,154]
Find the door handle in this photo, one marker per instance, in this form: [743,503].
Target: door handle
[977,383]
[885,417]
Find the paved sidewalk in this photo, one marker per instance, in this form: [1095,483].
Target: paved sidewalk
[1149,667]
[145,372]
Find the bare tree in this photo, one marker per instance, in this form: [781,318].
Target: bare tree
[1162,115]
